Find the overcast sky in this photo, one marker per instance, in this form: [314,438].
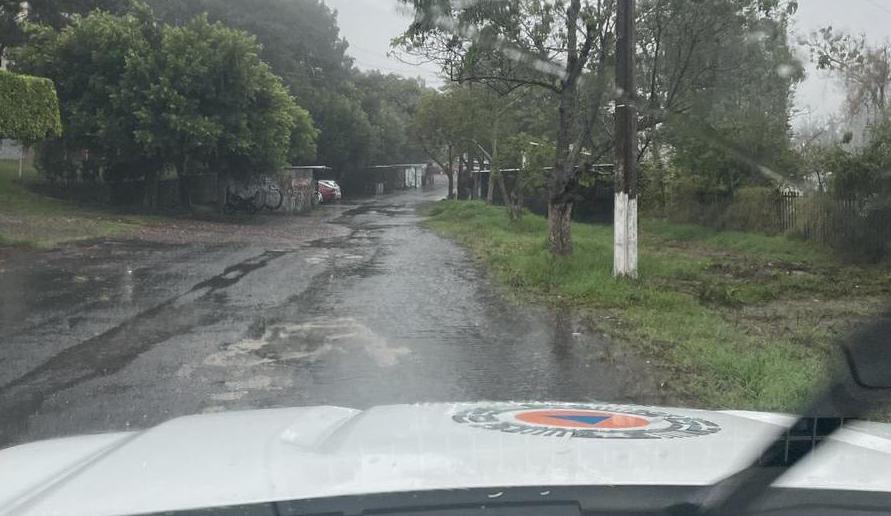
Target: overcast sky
[369,25]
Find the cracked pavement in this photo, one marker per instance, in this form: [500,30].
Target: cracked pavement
[357,305]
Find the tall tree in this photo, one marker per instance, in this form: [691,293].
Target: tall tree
[53,13]
[433,126]
[700,65]
[87,61]
[301,42]
[391,101]
[11,17]
[727,119]
[864,69]
[204,98]
[138,96]
[451,125]
[517,43]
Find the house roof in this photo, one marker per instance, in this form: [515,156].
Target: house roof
[401,165]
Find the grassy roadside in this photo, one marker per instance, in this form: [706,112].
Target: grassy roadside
[743,320]
[33,220]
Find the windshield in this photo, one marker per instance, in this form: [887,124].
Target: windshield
[563,215]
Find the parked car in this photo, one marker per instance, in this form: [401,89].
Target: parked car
[330,190]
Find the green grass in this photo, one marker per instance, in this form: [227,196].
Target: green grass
[744,320]
[30,219]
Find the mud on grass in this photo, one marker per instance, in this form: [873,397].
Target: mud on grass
[741,320]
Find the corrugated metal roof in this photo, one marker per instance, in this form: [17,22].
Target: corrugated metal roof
[402,165]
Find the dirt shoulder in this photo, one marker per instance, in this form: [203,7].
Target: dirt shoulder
[30,219]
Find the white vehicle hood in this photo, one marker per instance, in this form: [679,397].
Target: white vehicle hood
[291,454]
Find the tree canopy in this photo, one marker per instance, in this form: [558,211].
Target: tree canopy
[205,96]
[714,79]
[362,117]
[139,96]
[52,13]
[133,98]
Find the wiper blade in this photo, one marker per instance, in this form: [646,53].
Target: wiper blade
[848,396]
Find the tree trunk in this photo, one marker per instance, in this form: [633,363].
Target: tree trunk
[560,227]
[222,188]
[462,180]
[451,174]
[660,174]
[475,191]
[562,179]
[473,181]
[513,201]
[516,204]
[150,195]
[490,195]
[504,195]
[185,198]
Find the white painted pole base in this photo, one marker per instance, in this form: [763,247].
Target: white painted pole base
[625,237]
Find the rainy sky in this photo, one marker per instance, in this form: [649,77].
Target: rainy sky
[369,25]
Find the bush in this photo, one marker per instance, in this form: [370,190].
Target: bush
[51,161]
[691,203]
[748,209]
[753,209]
[29,108]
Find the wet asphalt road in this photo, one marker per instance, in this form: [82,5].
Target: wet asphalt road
[116,335]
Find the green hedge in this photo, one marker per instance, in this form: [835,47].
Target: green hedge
[29,108]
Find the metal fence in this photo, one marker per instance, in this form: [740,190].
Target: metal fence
[786,210]
[836,222]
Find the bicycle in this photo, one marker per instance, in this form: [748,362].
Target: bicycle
[235,202]
[271,190]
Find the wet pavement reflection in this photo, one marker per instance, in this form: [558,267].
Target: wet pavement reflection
[116,335]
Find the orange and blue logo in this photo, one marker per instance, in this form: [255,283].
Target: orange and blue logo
[585,421]
[582,419]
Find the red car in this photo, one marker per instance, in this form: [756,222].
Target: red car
[329,190]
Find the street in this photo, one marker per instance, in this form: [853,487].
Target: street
[357,305]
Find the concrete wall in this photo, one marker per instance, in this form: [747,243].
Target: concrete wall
[414,176]
[10,149]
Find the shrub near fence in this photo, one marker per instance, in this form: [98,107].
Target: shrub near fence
[754,209]
[860,229]
[750,209]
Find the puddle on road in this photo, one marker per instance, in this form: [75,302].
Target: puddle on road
[228,396]
[374,208]
[235,273]
[308,342]
[255,382]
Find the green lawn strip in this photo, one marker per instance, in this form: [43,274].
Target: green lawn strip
[771,247]
[28,218]
[686,311]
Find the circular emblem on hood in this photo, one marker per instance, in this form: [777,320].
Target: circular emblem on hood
[585,421]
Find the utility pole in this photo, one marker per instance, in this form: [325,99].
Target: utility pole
[625,225]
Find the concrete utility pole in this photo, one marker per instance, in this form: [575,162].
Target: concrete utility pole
[625,225]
